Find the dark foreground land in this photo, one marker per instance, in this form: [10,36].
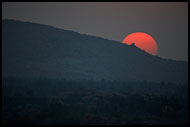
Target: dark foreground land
[59,101]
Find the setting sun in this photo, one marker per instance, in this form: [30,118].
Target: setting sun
[142,41]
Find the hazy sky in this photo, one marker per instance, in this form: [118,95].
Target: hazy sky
[166,22]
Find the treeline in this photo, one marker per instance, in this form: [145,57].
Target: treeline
[60,101]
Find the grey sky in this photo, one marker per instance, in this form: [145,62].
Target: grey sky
[166,22]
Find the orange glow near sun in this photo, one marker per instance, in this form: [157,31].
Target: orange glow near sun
[142,41]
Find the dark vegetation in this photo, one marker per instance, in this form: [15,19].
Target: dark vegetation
[60,101]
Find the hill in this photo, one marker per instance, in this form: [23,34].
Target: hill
[32,50]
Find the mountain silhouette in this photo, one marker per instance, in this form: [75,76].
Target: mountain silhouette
[32,50]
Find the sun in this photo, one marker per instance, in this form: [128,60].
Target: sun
[142,41]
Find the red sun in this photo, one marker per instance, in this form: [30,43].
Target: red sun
[142,41]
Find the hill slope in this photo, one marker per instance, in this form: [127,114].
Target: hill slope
[30,49]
